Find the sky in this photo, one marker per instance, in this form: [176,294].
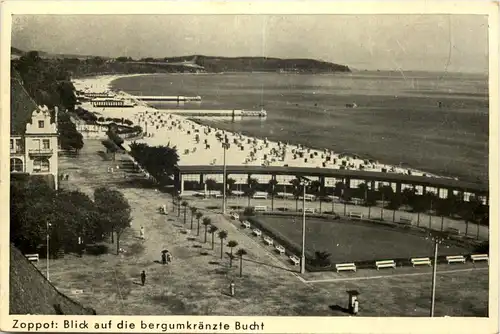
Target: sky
[455,43]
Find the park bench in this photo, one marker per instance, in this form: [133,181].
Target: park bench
[32,257]
[295,260]
[219,195]
[421,261]
[455,258]
[309,197]
[355,215]
[257,232]
[308,210]
[268,241]
[479,257]
[260,208]
[405,221]
[235,216]
[280,249]
[356,201]
[385,264]
[345,266]
[260,196]
[246,224]
[453,230]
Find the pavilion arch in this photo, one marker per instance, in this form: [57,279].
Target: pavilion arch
[16,165]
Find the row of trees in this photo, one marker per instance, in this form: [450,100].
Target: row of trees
[158,161]
[38,211]
[209,227]
[473,210]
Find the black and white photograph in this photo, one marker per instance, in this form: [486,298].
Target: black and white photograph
[244,164]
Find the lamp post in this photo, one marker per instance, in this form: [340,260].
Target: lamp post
[225,146]
[305,182]
[437,238]
[48,248]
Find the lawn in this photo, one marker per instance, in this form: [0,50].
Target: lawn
[349,241]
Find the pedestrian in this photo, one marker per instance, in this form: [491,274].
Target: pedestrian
[142,233]
[355,307]
[169,257]
[143,278]
[163,258]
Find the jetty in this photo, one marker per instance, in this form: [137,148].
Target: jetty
[178,98]
[217,112]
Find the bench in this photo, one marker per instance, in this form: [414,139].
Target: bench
[385,264]
[235,216]
[455,258]
[479,257]
[405,221]
[453,230]
[308,210]
[355,215]
[295,260]
[32,257]
[280,249]
[259,196]
[268,241]
[260,208]
[421,261]
[257,232]
[246,224]
[345,266]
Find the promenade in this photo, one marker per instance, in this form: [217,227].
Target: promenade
[197,281]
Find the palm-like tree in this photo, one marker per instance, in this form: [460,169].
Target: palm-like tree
[317,190]
[211,184]
[222,236]
[193,212]
[212,231]
[252,188]
[206,221]
[185,205]
[272,191]
[241,252]
[230,183]
[198,217]
[297,191]
[231,244]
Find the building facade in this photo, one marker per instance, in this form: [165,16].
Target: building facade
[35,151]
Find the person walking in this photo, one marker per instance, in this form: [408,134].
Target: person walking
[142,233]
[163,258]
[143,278]
[169,257]
[355,307]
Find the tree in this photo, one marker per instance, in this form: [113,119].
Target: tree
[185,205]
[111,147]
[212,231]
[297,191]
[222,236]
[193,213]
[159,161]
[206,222]
[211,185]
[272,190]
[317,191]
[230,183]
[114,209]
[251,188]
[231,244]
[241,252]
[198,217]
[322,259]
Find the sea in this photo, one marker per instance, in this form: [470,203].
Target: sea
[435,122]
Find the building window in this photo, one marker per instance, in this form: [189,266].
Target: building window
[16,165]
[41,165]
[41,124]
[11,144]
[46,144]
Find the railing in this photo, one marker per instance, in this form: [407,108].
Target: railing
[16,150]
[41,151]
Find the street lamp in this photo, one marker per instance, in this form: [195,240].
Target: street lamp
[48,248]
[305,181]
[438,238]
[225,146]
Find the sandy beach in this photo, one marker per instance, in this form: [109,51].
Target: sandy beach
[202,145]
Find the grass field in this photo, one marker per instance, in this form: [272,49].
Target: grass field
[349,241]
[196,283]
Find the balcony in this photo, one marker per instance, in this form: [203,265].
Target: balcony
[42,152]
[17,150]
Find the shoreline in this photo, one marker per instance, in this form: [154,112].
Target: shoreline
[105,83]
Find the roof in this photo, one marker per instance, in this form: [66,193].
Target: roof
[31,293]
[21,106]
[340,173]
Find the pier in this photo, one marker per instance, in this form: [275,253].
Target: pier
[168,98]
[217,112]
